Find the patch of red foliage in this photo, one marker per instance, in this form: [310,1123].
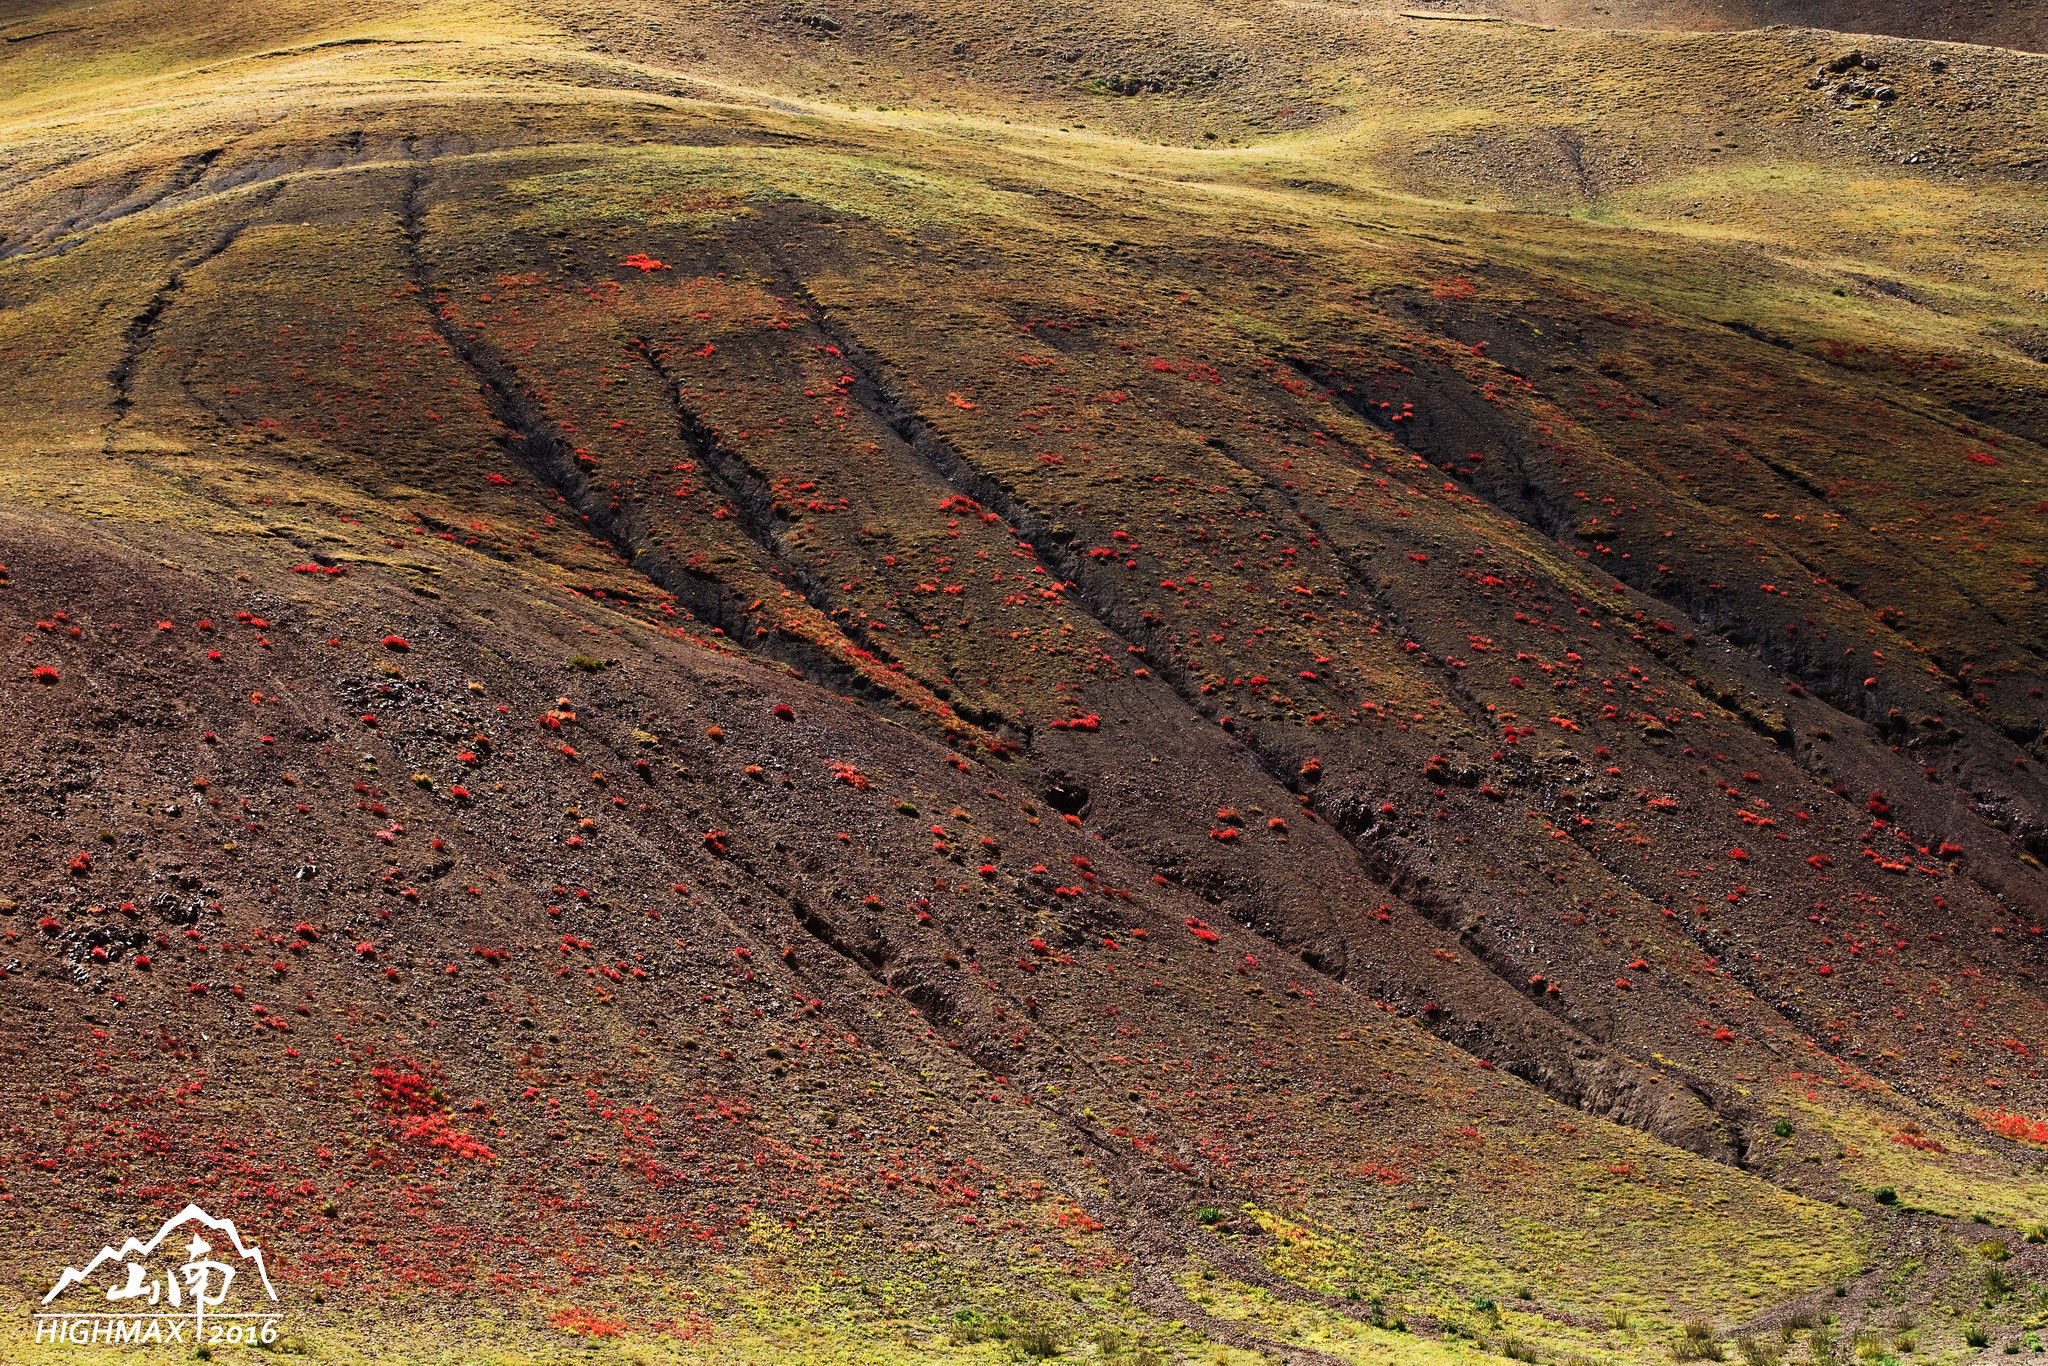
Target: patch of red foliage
[2024,1128]
[582,1322]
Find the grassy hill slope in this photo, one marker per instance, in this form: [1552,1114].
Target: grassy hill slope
[716,682]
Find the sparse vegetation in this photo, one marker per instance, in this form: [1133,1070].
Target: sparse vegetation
[1697,1341]
[1455,682]
[1758,1351]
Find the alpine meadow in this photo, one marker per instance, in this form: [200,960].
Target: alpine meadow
[765,682]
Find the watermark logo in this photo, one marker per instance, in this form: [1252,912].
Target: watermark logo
[195,1283]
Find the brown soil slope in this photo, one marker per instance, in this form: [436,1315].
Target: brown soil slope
[625,673]
[2020,25]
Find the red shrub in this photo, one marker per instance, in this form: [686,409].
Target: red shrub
[2024,1128]
[582,1322]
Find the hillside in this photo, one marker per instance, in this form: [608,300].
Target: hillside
[757,683]
[2018,25]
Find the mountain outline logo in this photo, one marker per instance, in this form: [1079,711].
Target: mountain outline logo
[156,1301]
